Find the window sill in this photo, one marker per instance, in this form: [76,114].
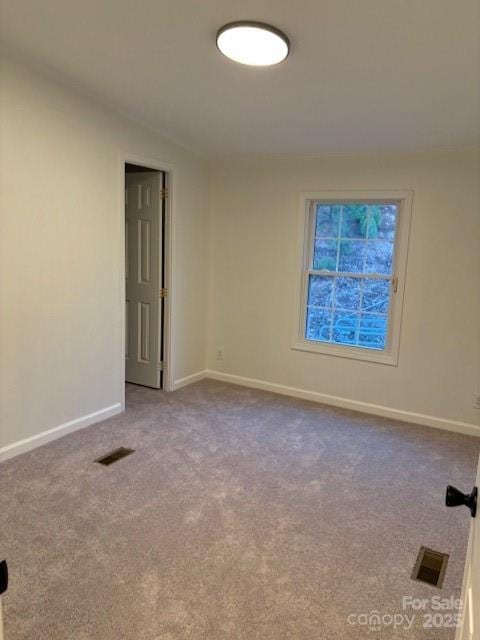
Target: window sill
[352,353]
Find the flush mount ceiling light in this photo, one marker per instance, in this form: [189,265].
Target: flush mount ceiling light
[253,43]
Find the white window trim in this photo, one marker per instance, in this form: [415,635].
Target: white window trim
[388,356]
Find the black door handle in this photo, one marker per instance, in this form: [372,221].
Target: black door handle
[455,498]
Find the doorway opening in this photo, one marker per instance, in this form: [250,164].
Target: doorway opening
[146,275]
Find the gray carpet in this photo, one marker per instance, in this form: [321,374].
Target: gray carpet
[241,515]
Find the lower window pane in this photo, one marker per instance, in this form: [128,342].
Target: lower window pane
[376,295]
[347,293]
[348,311]
[372,331]
[318,324]
[320,289]
[344,328]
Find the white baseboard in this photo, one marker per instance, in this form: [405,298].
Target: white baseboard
[194,377]
[37,440]
[345,403]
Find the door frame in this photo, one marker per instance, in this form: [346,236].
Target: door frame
[169,170]
[469,583]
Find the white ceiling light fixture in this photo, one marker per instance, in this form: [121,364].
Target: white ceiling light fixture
[253,43]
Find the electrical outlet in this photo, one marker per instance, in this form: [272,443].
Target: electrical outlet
[219,354]
[477,401]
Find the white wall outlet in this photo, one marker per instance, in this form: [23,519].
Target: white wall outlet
[219,354]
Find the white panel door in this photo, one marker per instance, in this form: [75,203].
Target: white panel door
[470,628]
[143,265]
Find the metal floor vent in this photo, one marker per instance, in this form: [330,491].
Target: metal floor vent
[114,456]
[430,567]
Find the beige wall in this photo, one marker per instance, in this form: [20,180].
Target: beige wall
[61,257]
[254,214]
[61,253]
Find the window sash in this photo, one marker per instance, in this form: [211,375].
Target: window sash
[358,314]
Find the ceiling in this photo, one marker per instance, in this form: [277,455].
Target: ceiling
[363,75]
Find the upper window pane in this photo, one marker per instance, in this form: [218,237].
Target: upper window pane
[388,221]
[355,237]
[351,256]
[355,220]
[325,255]
[328,220]
[378,257]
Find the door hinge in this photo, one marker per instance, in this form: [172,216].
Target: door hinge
[395,284]
[163,194]
[162,366]
[163,293]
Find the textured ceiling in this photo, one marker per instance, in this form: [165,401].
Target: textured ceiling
[363,75]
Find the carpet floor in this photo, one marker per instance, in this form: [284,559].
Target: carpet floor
[242,514]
